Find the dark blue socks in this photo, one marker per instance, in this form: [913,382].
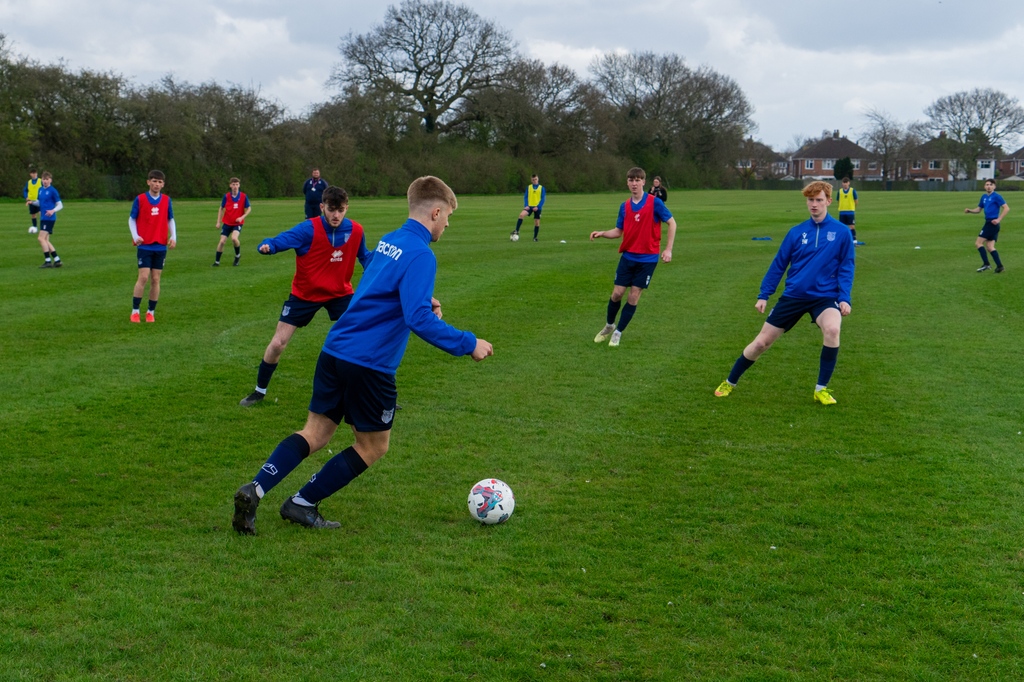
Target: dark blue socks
[995,257]
[519,223]
[536,229]
[337,473]
[828,364]
[627,315]
[613,310]
[152,306]
[136,302]
[288,454]
[984,254]
[739,367]
[263,376]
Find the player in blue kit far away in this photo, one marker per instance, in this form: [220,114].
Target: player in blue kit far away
[313,189]
[639,226]
[995,208]
[355,374]
[819,256]
[49,204]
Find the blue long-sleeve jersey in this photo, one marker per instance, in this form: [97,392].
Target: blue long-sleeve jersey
[300,238]
[393,298]
[820,260]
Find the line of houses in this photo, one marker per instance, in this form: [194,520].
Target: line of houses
[928,162]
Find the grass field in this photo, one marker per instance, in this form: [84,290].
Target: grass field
[660,533]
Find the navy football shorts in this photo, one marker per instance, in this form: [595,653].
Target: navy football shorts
[631,273]
[226,230]
[533,211]
[154,260]
[299,313]
[47,225]
[33,208]
[847,218]
[990,232]
[363,397]
[788,311]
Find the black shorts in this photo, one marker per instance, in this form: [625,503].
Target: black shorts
[363,397]
[226,230]
[154,260]
[990,232]
[788,311]
[47,225]
[299,313]
[847,218]
[33,208]
[534,211]
[631,273]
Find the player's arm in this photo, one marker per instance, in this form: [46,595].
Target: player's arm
[845,277]
[771,279]
[666,255]
[299,238]
[172,227]
[220,216]
[1003,210]
[976,209]
[56,207]
[248,210]
[132,226]
[607,234]
[364,254]
[543,196]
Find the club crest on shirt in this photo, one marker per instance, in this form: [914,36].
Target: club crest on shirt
[387,415]
[284,311]
[831,236]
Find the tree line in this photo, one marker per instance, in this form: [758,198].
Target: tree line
[434,88]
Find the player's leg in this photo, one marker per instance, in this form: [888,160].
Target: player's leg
[536,224]
[519,222]
[990,246]
[768,335]
[979,244]
[614,304]
[220,250]
[33,213]
[140,289]
[236,242]
[44,243]
[853,229]
[369,404]
[48,226]
[830,322]
[154,292]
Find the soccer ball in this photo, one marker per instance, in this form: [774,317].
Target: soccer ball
[491,501]
[33,229]
[514,237]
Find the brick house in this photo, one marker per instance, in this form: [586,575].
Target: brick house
[816,160]
[759,161]
[931,162]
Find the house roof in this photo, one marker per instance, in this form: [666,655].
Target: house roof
[834,147]
[936,148]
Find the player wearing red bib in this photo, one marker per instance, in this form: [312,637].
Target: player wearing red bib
[234,208]
[326,250]
[151,223]
[639,226]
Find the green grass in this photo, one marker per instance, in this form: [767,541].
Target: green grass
[660,533]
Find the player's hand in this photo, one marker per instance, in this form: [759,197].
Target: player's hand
[137,242]
[595,234]
[482,350]
[50,213]
[435,307]
[666,256]
[967,210]
[995,221]
[264,248]
[844,308]
[171,243]
[761,305]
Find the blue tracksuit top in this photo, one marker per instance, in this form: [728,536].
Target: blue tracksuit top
[392,299]
[820,261]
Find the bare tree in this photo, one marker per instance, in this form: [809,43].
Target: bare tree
[889,140]
[995,114]
[432,54]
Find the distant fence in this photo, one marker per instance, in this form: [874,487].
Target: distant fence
[887,185]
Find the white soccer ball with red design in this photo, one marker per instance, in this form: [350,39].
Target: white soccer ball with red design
[491,501]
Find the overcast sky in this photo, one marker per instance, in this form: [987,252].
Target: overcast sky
[805,65]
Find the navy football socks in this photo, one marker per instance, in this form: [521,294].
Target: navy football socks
[984,254]
[741,365]
[995,257]
[337,473]
[828,364]
[519,223]
[627,315]
[288,454]
[613,310]
[264,374]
